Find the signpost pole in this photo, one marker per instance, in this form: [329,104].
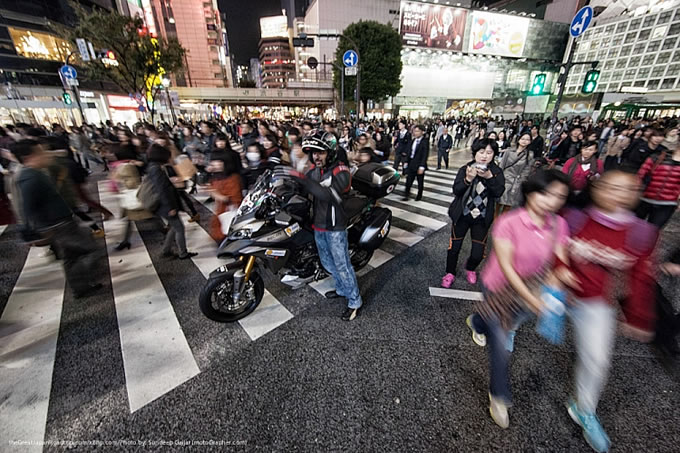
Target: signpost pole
[77,93]
[342,92]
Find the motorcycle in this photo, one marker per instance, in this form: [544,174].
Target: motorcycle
[271,231]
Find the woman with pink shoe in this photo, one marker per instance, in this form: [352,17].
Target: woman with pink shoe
[477,187]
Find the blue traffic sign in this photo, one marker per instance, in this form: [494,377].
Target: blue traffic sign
[350,58]
[580,22]
[68,72]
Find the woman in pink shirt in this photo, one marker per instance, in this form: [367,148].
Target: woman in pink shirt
[525,243]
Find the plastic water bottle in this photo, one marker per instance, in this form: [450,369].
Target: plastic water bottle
[551,320]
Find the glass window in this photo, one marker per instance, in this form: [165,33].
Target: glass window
[643,73]
[629,74]
[652,84]
[674,68]
[669,44]
[659,32]
[591,56]
[583,46]
[648,60]
[609,64]
[634,62]
[613,53]
[653,46]
[667,84]
[635,24]
[609,30]
[663,58]
[649,20]
[674,29]
[604,77]
[617,75]
[618,39]
[658,71]
[621,26]
[639,83]
[665,17]
[620,64]
[601,54]
[644,34]
[625,51]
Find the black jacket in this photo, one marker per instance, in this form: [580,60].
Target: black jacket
[640,152]
[169,199]
[537,145]
[401,145]
[382,145]
[327,185]
[445,142]
[40,204]
[461,190]
[562,153]
[419,159]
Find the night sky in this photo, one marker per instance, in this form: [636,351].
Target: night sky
[243,25]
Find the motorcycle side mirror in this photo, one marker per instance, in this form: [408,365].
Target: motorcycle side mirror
[282,219]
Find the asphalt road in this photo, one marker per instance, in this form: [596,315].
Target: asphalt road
[137,367]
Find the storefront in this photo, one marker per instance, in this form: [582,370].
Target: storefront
[123,109]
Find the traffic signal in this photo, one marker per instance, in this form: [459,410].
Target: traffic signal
[539,84]
[67,98]
[590,82]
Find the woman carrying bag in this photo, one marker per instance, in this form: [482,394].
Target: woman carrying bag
[476,188]
[517,165]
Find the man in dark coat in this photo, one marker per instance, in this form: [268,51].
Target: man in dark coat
[416,162]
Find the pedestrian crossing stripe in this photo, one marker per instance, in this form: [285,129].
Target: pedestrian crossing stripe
[141,330]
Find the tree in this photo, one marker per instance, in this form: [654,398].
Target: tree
[380,60]
[142,59]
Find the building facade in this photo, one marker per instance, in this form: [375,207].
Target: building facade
[276,58]
[637,52]
[198,26]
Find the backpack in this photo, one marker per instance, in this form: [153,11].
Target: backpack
[148,196]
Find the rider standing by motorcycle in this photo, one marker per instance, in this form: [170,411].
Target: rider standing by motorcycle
[327,180]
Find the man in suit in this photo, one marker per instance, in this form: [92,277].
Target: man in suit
[444,145]
[416,163]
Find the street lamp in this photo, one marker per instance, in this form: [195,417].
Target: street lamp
[166,83]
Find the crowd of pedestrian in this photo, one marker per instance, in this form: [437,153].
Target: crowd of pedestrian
[570,217]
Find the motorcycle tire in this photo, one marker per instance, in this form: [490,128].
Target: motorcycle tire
[210,296]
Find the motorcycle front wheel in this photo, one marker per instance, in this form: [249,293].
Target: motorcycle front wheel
[217,303]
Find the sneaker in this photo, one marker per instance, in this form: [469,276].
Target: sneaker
[448,280]
[592,429]
[350,314]
[471,277]
[499,411]
[478,338]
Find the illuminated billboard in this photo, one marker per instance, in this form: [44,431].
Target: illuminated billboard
[433,26]
[273,27]
[35,44]
[497,34]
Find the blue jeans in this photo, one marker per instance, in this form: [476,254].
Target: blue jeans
[334,254]
[498,341]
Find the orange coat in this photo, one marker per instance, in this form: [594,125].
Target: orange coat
[229,187]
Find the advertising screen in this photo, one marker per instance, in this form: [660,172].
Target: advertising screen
[434,26]
[274,27]
[497,34]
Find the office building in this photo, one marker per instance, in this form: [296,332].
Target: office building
[276,59]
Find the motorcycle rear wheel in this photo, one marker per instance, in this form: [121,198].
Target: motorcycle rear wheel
[216,301]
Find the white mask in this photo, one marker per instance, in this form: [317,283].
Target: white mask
[253,157]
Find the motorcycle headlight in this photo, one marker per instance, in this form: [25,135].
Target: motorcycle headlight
[243,233]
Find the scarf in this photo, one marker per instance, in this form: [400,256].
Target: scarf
[579,161]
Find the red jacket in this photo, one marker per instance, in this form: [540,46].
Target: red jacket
[606,253]
[580,178]
[665,182]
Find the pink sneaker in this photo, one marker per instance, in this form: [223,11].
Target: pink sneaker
[471,277]
[448,280]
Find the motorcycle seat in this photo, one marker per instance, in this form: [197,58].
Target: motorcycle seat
[354,205]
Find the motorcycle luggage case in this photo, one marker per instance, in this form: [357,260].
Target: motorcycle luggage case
[375,180]
[375,228]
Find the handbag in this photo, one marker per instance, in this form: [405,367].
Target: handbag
[148,196]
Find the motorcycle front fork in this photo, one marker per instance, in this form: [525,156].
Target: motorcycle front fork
[241,277]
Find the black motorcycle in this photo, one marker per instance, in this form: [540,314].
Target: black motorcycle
[272,230]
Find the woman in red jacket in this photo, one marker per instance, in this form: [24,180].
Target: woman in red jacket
[583,167]
[661,174]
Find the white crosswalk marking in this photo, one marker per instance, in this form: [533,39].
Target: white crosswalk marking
[404,237]
[421,204]
[29,328]
[156,355]
[417,219]
[3,228]
[455,294]
[429,185]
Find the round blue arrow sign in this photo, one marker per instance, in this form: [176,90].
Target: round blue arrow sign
[68,72]
[581,21]
[350,58]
